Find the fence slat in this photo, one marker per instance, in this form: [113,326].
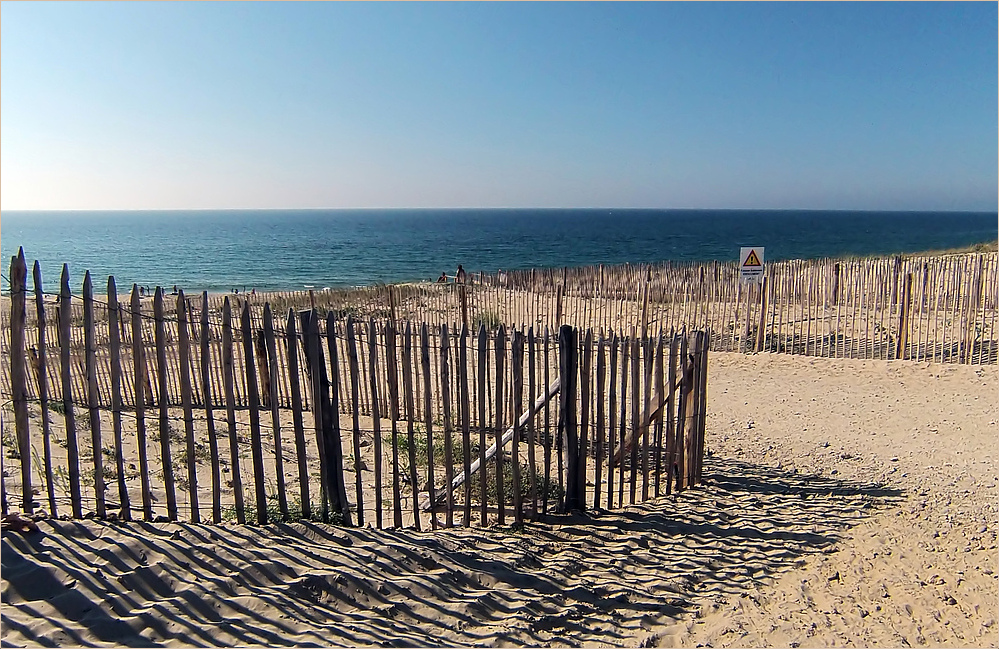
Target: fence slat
[482,425]
[532,393]
[600,431]
[93,393]
[163,402]
[375,418]
[428,417]
[333,437]
[355,381]
[683,414]
[228,381]
[671,405]
[18,375]
[635,420]
[500,350]
[568,369]
[301,450]
[705,346]
[448,432]
[518,403]
[393,389]
[253,399]
[407,382]
[275,405]
[658,439]
[648,347]
[114,343]
[584,413]
[623,423]
[43,388]
[184,341]
[206,389]
[139,378]
[464,407]
[612,419]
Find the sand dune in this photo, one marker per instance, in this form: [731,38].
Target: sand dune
[847,503]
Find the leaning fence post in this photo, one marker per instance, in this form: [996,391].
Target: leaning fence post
[18,289]
[568,368]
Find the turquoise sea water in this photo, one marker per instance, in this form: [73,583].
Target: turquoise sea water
[293,249]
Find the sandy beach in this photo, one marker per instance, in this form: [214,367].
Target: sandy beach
[847,502]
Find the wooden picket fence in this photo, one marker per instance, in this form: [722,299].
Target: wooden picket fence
[369,421]
[940,309]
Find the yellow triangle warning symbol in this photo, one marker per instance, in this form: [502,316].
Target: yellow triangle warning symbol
[752,259]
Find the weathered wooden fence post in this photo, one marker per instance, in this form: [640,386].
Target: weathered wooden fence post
[324,413]
[568,369]
[163,401]
[93,394]
[292,342]
[253,401]
[902,348]
[376,416]
[206,383]
[645,305]
[114,342]
[43,395]
[500,349]
[18,290]
[272,384]
[184,345]
[263,368]
[517,366]
[761,330]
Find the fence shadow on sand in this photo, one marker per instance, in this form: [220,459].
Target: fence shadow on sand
[612,577]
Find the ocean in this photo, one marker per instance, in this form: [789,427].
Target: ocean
[294,249]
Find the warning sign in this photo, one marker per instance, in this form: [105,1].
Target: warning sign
[751,263]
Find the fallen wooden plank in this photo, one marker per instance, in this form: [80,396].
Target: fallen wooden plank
[491,451]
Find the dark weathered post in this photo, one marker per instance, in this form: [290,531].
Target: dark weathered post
[328,442]
[568,368]
[18,376]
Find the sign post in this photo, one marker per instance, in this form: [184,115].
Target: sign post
[751,264]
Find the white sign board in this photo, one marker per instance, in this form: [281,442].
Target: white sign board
[751,264]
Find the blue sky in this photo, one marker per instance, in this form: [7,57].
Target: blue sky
[700,105]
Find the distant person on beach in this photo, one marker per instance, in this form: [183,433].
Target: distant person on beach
[142,291]
[175,289]
[253,291]
[442,279]
[459,277]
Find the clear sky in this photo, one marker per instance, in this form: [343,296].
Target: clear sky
[296,105]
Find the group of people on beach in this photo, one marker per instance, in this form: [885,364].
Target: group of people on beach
[145,291]
[459,276]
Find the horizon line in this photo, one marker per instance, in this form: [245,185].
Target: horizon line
[455,208]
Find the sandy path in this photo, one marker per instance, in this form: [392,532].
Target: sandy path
[921,572]
[750,559]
